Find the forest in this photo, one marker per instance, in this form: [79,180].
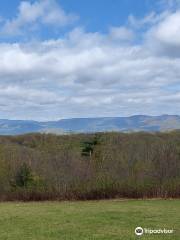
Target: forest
[36,167]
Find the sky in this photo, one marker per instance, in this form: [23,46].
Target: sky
[67,59]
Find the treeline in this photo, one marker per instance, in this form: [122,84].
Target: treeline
[90,166]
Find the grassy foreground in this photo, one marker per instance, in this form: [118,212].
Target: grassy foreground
[101,220]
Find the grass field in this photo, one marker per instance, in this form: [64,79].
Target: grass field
[101,220]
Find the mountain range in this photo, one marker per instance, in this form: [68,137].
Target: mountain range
[87,125]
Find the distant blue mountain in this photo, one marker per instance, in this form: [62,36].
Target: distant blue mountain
[86,125]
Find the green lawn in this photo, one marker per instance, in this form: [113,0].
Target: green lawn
[101,220]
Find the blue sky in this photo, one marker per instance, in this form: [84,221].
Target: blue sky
[67,58]
[93,15]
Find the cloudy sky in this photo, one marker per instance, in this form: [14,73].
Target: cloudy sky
[67,58]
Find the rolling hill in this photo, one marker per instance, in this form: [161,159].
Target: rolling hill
[83,125]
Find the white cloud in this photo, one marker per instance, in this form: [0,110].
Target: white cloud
[168,30]
[164,37]
[29,15]
[137,23]
[121,33]
[148,20]
[86,74]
